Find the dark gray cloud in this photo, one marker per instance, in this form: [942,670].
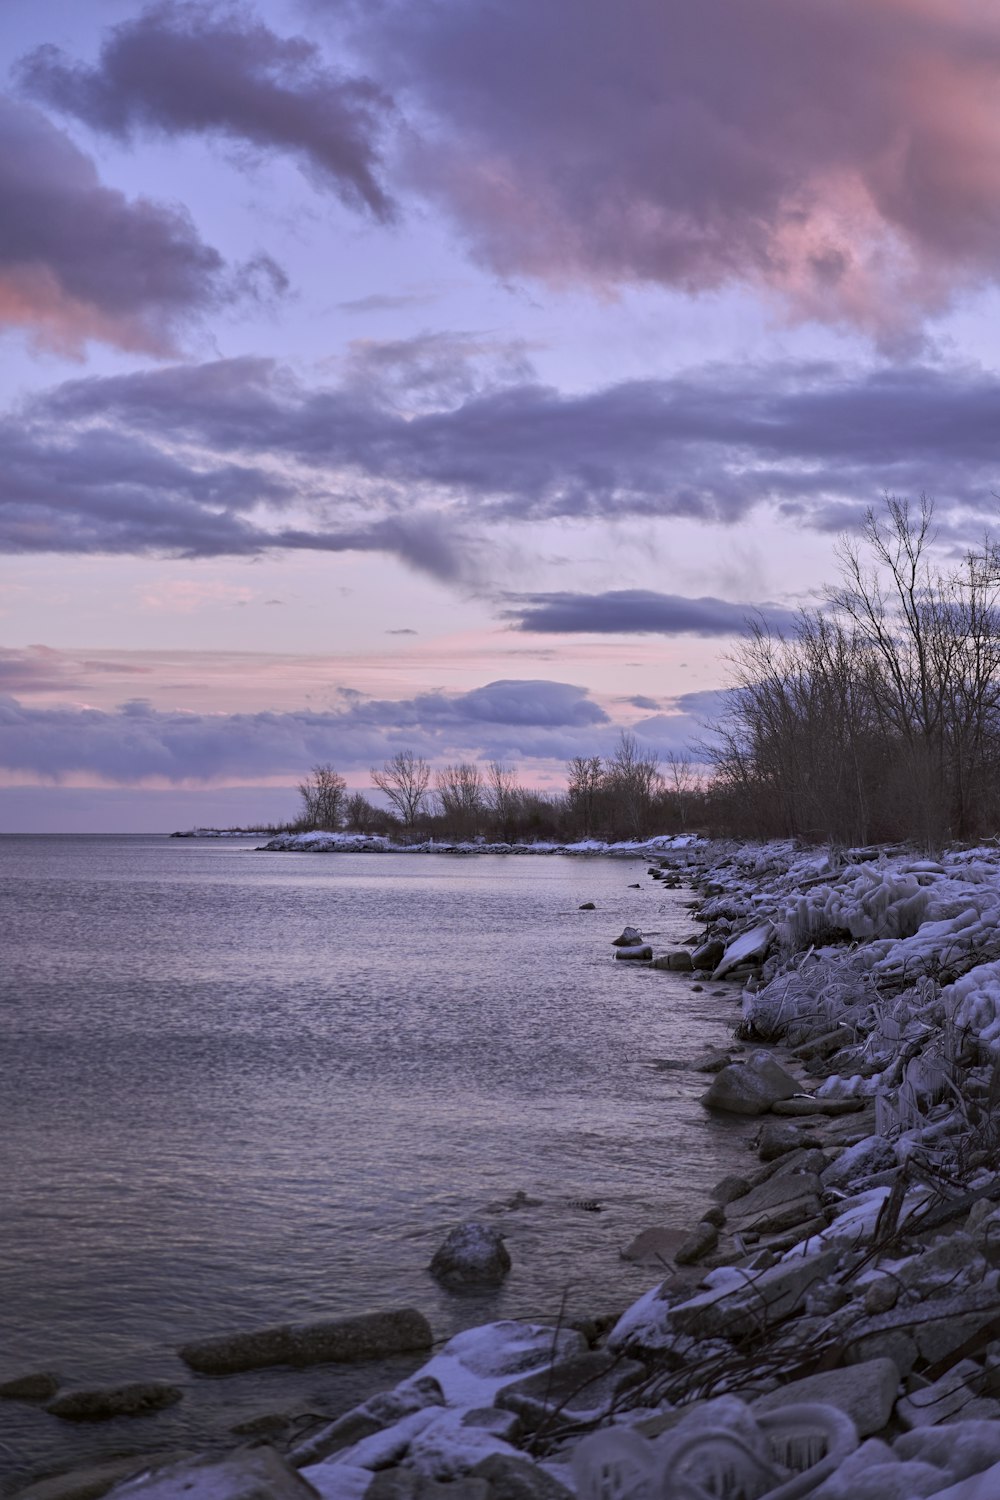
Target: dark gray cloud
[423,443]
[638,612]
[806,148]
[506,720]
[80,261]
[191,68]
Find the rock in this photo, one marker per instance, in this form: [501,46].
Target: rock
[777,1138]
[729,1189]
[627,938]
[894,1344]
[340,1340]
[711,1061]
[587,906]
[40,1386]
[100,1404]
[701,1241]
[751,1087]
[958,1450]
[866,1393]
[640,952]
[404,1484]
[808,1104]
[708,955]
[781,1201]
[94,1480]
[748,946]
[517,1478]
[471,1255]
[270,1424]
[715,1215]
[375,1414]
[881,1295]
[655,1246]
[793,1164]
[771,1295]
[248,1474]
[581,1388]
[952,1261]
[679,961]
[868,1155]
[950,1396]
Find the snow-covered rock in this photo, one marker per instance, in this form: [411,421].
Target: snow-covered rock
[472,1255]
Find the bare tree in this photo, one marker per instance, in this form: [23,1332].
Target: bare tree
[361,816]
[585,782]
[460,794]
[323,793]
[404,781]
[503,797]
[632,779]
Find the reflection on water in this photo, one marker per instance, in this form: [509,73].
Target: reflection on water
[239,1088]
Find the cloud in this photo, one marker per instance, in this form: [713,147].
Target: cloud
[386,302]
[424,444]
[200,69]
[842,155]
[80,261]
[638,612]
[136,742]
[41,669]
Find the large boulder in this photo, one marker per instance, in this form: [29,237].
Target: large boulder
[248,1474]
[339,1340]
[750,1087]
[38,1386]
[639,951]
[628,938]
[865,1392]
[473,1255]
[679,961]
[100,1404]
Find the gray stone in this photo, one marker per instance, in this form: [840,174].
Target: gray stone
[639,953]
[952,1261]
[729,1189]
[512,1477]
[95,1480]
[866,1392]
[794,1163]
[578,1388]
[375,1414]
[472,1255]
[700,1242]
[751,1087]
[873,1154]
[808,1104]
[405,1484]
[770,1296]
[40,1386]
[881,1295]
[655,1246]
[948,1397]
[678,962]
[895,1344]
[779,1137]
[778,1189]
[100,1404]
[712,1060]
[503,1424]
[340,1340]
[249,1474]
[627,938]
[587,906]
[708,955]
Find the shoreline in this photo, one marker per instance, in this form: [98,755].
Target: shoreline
[859,1255]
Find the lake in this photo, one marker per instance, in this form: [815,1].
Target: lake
[240,1088]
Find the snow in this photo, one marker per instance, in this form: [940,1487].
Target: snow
[323,842]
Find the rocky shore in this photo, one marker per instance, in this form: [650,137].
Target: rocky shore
[830,1327]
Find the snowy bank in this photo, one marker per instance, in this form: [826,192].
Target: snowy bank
[358,843]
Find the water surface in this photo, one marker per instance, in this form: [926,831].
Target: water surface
[239,1088]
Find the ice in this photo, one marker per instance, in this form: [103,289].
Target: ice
[474,1365]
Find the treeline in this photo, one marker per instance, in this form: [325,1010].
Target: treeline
[626,795]
[878,717]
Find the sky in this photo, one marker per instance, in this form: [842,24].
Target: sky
[460,376]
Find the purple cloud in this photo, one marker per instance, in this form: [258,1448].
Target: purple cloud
[135,742]
[239,456]
[806,149]
[189,68]
[80,261]
[638,612]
